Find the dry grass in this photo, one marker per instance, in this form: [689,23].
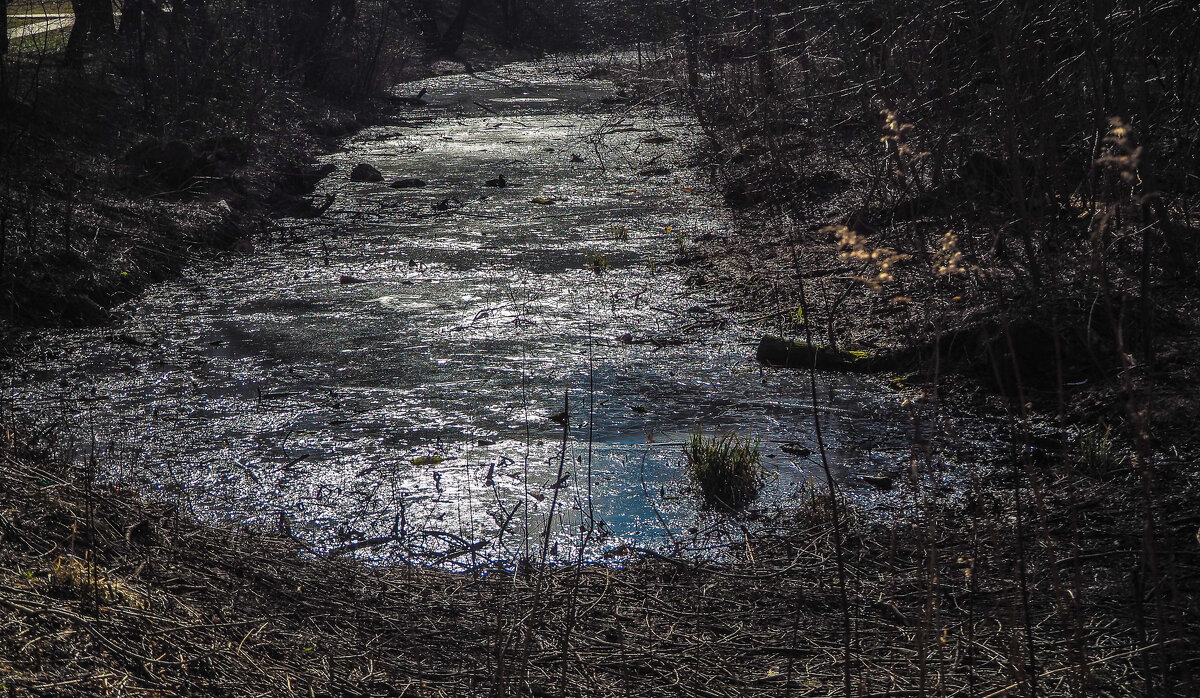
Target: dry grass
[936,607]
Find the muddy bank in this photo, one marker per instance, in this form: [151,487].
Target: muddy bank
[99,216]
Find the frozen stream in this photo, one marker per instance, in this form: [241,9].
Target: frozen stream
[420,403]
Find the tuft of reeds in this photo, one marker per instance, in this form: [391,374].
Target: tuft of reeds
[1096,453]
[726,468]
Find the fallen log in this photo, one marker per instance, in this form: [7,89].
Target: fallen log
[788,353]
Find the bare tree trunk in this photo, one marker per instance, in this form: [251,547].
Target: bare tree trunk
[511,12]
[316,37]
[93,25]
[310,26]
[79,34]
[453,37]
[3,53]
[766,47]
[138,17]
[3,34]
[692,46]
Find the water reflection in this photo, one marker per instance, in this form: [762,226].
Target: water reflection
[424,403]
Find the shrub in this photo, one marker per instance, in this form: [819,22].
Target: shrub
[727,469]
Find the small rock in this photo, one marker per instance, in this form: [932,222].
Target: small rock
[575,157]
[363,172]
[794,449]
[335,126]
[882,482]
[347,279]
[288,206]
[407,183]
[144,155]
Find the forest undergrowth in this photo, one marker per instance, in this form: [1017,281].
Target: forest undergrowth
[1006,187]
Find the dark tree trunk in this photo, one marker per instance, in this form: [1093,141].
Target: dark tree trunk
[318,62]
[453,37]
[311,22]
[3,81]
[421,14]
[766,47]
[137,17]
[349,9]
[100,18]
[692,46]
[511,12]
[93,25]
